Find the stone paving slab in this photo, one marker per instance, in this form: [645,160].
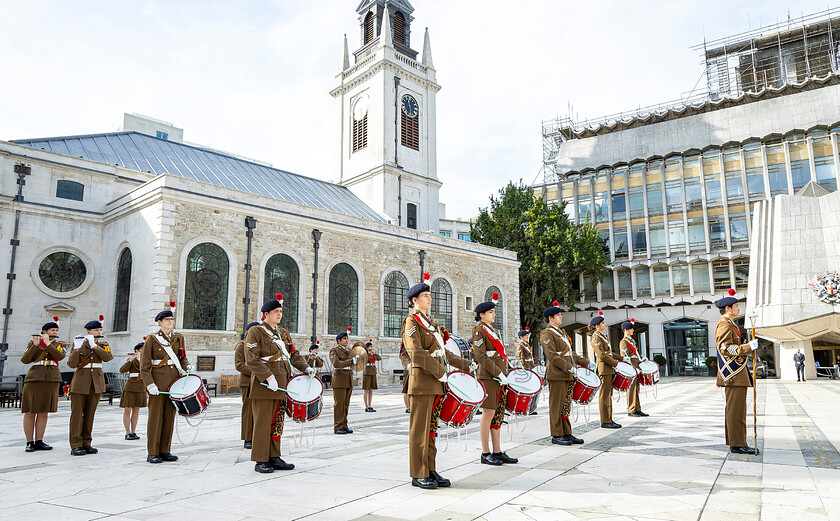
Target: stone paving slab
[672,465]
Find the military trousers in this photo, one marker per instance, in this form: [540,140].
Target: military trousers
[160,426]
[558,394]
[247,416]
[82,411]
[736,416]
[342,406]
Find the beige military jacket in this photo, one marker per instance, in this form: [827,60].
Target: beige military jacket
[241,365]
[154,361]
[133,384]
[730,348]
[81,360]
[37,355]
[342,375]
[601,347]
[524,354]
[560,355]
[490,363]
[628,348]
[265,356]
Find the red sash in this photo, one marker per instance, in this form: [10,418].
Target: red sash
[500,348]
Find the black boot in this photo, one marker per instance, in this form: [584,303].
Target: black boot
[89,450]
[490,459]
[247,444]
[611,425]
[78,451]
[424,483]
[166,456]
[264,468]
[576,441]
[30,446]
[279,464]
[151,458]
[440,480]
[743,450]
[560,440]
[40,445]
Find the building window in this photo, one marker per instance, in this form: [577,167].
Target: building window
[123,293]
[625,283]
[738,230]
[825,172]
[639,241]
[620,241]
[636,201]
[608,287]
[657,238]
[590,291]
[800,172]
[442,303]
[700,273]
[370,29]
[693,193]
[282,275]
[654,192]
[742,272]
[62,271]
[778,179]
[720,272]
[584,208]
[643,282]
[446,234]
[604,235]
[734,188]
[399,28]
[696,234]
[717,232]
[359,132]
[714,196]
[343,300]
[673,192]
[755,182]
[464,237]
[499,323]
[410,123]
[618,207]
[395,301]
[162,135]
[602,213]
[661,282]
[70,190]
[676,236]
[680,272]
[411,216]
[206,288]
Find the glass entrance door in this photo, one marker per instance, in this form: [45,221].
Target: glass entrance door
[686,345]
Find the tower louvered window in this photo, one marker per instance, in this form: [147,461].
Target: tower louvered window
[399,28]
[369,27]
[360,133]
[410,131]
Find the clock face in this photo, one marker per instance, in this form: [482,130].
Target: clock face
[360,109]
[409,106]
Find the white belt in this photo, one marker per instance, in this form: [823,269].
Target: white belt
[168,361]
[133,375]
[91,365]
[48,362]
[372,365]
[267,358]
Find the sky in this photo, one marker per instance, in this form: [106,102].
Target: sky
[253,77]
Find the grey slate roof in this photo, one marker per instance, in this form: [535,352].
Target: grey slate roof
[136,151]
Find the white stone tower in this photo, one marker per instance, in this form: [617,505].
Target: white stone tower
[386,109]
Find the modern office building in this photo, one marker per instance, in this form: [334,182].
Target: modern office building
[672,188]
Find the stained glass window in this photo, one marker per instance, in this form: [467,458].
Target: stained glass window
[282,275]
[343,300]
[206,288]
[500,309]
[62,271]
[395,303]
[123,292]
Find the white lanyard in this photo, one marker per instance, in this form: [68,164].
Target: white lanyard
[277,341]
[169,352]
[434,331]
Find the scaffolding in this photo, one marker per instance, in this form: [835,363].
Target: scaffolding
[770,57]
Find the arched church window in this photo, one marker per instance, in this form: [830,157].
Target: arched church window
[395,302]
[343,300]
[399,28]
[370,21]
[282,275]
[499,323]
[442,302]
[410,122]
[360,118]
[123,292]
[206,288]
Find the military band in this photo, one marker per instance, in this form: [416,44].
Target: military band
[369,378]
[40,386]
[342,382]
[133,396]
[87,356]
[247,415]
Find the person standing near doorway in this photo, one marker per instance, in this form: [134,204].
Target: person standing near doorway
[799,362]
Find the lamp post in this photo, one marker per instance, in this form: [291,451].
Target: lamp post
[250,224]
[422,254]
[316,237]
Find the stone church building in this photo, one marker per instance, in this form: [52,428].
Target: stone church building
[121,223]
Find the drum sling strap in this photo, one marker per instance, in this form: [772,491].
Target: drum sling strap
[170,354]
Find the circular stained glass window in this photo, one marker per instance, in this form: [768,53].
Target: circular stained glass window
[62,271]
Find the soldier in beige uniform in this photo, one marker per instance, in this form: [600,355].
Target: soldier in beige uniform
[312,359]
[87,386]
[733,374]
[560,362]
[133,396]
[406,362]
[606,369]
[523,350]
[631,354]
[369,378]
[162,361]
[40,387]
[489,353]
[342,382]
[422,349]
[270,355]
[247,415]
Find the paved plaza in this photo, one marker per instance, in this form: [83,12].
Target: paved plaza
[672,465]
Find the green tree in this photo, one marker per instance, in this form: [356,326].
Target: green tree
[552,250]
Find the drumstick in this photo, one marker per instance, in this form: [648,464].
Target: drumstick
[460,391]
[279,388]
[512,385]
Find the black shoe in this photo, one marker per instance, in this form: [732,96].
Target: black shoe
[264,468]
[478,412]
[407,410]
[247,445]
[490,459]
[372,409]
[89,450]
[279,464]
[560,440]
[635,414]
[30,446]
[154,459]
[166,456]
[424,483]
[78,451]
[576,441]
[129,437]
[611,425]
[743,450]
[532,413]
[440,480]
[349,431]
[135,436]
[504,458]
[643,414]
[340,431]
[40,445]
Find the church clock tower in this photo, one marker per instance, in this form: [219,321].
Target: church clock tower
[386,106]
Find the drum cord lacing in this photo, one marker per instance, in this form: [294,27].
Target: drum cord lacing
[186,419]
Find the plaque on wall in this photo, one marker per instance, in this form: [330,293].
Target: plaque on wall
[205,363]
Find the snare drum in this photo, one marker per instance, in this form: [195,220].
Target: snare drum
[464,394]
[586,383]
[304,401]
[540,370]
[523,390]
[623,377]
[189,395]
[648,372]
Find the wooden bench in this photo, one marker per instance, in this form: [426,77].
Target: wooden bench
[229,381]
[210,387]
